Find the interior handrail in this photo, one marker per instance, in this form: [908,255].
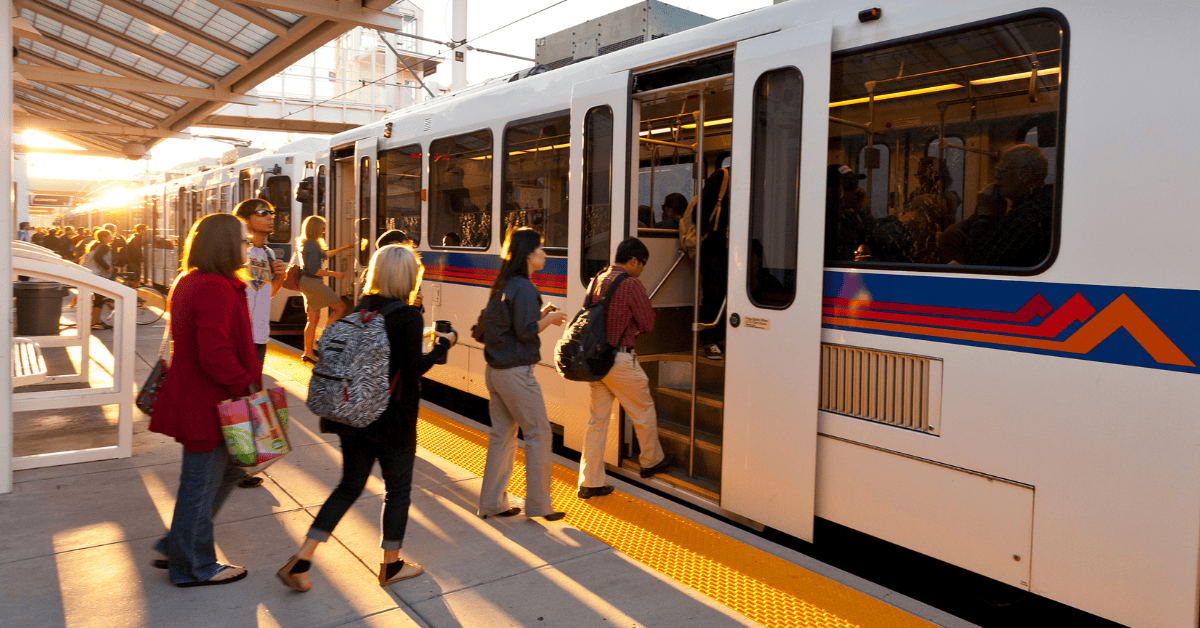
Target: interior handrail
[678,258]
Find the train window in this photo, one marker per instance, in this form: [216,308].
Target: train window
[321,191]
[981,192]
[949,177]
[399,203]
[364,211]
[460,190]
[278,191]
[210,201]
[775,188]
[874,164]
[223,205]
[536,155]
[597,190]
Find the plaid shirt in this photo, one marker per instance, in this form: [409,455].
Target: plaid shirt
[629,312]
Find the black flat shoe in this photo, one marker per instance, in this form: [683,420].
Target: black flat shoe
[555,516]
[588,492]
[239,573]
[658,468]
[511,512]
[308,360]
[251,481]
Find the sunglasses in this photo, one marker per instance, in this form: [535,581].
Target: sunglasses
[263,212]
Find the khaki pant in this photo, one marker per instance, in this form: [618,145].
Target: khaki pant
[516,401]
[627,383]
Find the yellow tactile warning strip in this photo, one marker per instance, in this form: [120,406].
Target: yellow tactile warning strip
[754,583]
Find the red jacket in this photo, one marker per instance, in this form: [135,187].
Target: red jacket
[214,359]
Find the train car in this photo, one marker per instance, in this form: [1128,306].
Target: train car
[283,177]
[959,310]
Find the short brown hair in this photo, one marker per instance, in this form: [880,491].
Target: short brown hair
[215,245]
[247,207]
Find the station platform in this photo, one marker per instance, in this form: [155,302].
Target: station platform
[78,541]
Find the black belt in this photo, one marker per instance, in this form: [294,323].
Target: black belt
[625,349]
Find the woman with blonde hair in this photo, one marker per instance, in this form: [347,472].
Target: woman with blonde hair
[317,295]
[392,279]
[213,359]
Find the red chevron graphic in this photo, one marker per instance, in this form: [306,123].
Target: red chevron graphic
[1037,306]
[1121,313]
[1075,309]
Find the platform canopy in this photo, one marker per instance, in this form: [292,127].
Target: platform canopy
[118,76]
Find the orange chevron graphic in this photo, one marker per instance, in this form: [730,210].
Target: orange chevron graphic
[1122,312]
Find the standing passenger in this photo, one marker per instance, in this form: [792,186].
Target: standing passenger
[213,360]
[317,295]
[629,314]
[393,277]
[513,319]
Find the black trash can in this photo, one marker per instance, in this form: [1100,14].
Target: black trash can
[39,306]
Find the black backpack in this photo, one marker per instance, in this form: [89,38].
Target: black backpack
[583,354]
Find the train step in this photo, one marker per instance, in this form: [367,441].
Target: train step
[704,397]
[680,433]
[677,477]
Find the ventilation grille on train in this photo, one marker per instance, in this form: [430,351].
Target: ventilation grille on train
[632,41]
[891,388]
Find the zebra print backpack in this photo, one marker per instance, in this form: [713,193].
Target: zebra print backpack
[350,383]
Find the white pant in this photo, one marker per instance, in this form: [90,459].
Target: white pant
[627,383]
[516,400]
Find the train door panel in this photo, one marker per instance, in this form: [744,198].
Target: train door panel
[364,218]
[340,221]
[776,247]
[599,137]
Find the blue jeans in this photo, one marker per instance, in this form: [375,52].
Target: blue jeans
[205,480]
[358,458]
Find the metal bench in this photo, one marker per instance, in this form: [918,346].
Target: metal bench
[28,367]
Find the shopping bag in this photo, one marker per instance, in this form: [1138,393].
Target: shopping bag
[255,427]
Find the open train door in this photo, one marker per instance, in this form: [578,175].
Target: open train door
[598,183]
[363,229]
[776,253]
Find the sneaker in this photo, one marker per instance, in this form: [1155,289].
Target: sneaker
[250,481]
[713,352]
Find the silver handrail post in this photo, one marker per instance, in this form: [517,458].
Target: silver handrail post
[696,325]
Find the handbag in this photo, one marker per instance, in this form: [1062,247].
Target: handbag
[149,391]
[477,328]
[255,427]
[291,279]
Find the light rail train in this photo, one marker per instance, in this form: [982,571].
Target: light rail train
[1005,381]
[285,177]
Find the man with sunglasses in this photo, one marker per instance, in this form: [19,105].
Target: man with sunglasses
[266,275]
[629,314]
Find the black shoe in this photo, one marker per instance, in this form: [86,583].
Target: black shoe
[588,492]
[250,481]
[658,468]
[511,512]
[555,516]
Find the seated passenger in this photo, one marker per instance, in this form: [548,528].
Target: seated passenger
[645,216]
[938,201]
[848,220]
[1020,236]
[672,210]
[451,239]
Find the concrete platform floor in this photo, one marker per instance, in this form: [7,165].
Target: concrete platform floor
[78,539]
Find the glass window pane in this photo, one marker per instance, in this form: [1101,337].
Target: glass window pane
[364,211]
[399,202]
[775,188]
[983,197]
[460,190]
[321,191]
[279,195]
[597,190]
[536,156]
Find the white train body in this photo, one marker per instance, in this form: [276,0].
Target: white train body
[1036,424]
[169,209]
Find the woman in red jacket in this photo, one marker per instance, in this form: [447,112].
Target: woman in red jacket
[214,359]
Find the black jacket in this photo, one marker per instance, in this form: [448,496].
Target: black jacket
[397,426]
[511,323]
